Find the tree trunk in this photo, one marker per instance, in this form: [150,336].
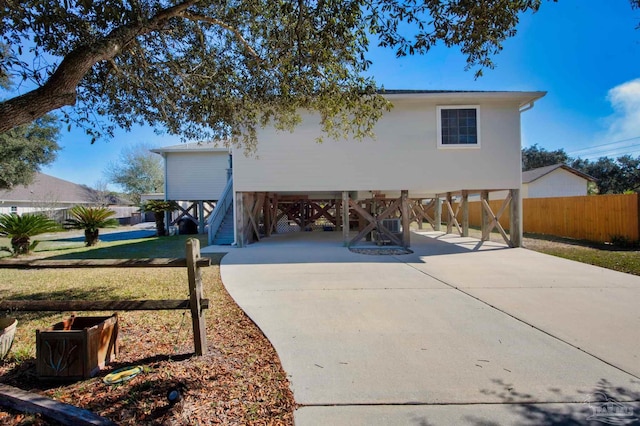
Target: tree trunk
[61,88]
[91,237]
[20,245]
[160,228]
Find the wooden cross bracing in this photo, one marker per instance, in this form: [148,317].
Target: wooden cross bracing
[494,219]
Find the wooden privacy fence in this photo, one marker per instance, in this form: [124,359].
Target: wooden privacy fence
[597,218]
[196,304]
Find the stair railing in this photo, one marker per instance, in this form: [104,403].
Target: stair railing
[224,203]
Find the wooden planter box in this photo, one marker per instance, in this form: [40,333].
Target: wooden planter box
[76,348]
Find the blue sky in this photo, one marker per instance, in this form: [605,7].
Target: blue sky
[584,53]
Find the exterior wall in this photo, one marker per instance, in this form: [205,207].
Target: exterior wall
[26,207]
[404,155]
[559,183]
[196,175]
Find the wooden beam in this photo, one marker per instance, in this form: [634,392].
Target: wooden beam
[345,218]
[453,217]
[450,217]
[240,228]
[515,214]
[404,208]
[194,275]
[495,221]
[200,215]
[484,224]
[32,403]
[465,213]
[102,263]
[437,214]
[97,305]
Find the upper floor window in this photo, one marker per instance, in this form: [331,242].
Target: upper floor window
[14,209]
[458,126]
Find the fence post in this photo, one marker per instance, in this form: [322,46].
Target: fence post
[195,296]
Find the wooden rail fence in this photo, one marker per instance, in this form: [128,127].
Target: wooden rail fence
[196,303]
[598,218]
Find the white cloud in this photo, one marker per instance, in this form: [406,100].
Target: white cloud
[625,100]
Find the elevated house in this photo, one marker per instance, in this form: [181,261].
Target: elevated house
[195,176]
[432,146]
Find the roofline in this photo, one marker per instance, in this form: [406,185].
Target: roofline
[525,98]
[187,148]
[567,168]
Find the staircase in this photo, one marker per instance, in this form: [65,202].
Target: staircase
[221,220]
[224,236]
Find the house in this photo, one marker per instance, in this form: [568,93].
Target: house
[431,146]
[53,196]
[558,180]
[195,176]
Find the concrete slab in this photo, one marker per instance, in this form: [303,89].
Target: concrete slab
[582,413]
[362,331]
[592,308]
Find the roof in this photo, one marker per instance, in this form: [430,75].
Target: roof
[51,189]
[206,146]
[523,98]
[535,174]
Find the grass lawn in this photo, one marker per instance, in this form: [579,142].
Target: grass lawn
[603,255]
[240,380]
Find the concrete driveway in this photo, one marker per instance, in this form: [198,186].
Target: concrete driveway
[457,333]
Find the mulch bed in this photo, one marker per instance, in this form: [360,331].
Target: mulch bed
[239,382]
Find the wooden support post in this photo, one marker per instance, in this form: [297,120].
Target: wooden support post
[404,208]
[486,232]
[240,230]
[449,215]
[267,214]
[465,213]
[437,213]
[515,221]
[195,296]
[201,214]
[338,203]
[345,218]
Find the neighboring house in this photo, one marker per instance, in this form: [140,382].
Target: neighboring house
[558,180]
[46,193]
[53,196]
[431,145]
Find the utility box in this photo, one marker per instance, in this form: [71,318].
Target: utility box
[76,348]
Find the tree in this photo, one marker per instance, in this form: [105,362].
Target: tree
[159,207]
[91,219]
[534,157]
[205,69]
[612,176]
[138,171]
[24,149]
[21,228]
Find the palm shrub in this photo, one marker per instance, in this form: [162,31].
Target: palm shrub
[91,219]
[159,207]
[21,228]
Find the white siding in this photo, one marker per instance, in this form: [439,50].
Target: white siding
[196,175]
[404,155]
[559,183]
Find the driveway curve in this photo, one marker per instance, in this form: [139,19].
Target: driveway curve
[456,333]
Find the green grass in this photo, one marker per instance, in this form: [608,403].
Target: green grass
[618,260]
[99,284]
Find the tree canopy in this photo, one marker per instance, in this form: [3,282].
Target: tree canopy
[207,69]
[24,149]
[137,171]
